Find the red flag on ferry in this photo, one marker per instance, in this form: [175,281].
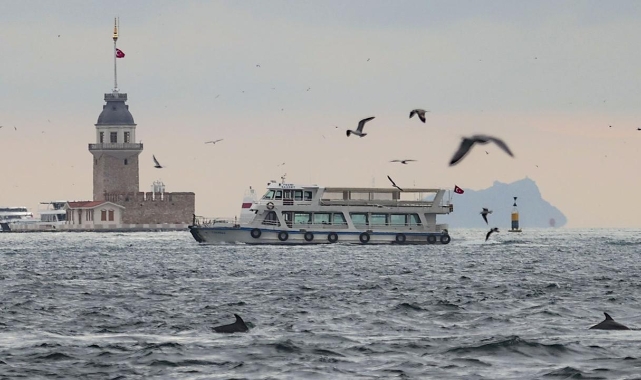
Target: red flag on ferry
[119,54]
[458,190]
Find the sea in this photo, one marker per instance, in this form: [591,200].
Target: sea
[142,306]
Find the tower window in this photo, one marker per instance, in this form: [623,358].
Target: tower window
[113,137]
[102,137]
[127,137]
[96,161]
[126,161]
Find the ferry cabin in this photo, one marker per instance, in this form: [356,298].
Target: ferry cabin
[344,207]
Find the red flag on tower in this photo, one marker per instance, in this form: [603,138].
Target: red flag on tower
[119,53]
[458,190]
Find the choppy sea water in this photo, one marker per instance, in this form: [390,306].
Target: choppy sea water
[142,305]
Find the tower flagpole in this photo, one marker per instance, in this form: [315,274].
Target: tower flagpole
[115,37]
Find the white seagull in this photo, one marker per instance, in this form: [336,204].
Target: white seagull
[495,229]
[394,183]
[484,214]
[359,131]
[157,164]
[468,142]
[213,142]
[404,162]
[420,113]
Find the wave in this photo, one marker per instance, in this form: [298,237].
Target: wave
[622,243]
[513,344]
[55,356]
[408,306]
[570,373]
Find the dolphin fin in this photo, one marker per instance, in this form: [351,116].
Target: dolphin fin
[608,317]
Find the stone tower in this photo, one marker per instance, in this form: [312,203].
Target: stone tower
[115,153]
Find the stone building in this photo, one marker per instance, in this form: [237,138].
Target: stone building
[116,171]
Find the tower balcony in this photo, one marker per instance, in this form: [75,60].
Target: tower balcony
[114,146]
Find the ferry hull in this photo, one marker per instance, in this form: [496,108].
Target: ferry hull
[243,235]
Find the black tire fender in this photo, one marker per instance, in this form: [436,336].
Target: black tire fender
[400,238]
[308,236]
[431,239]
[332,237]
[445,239]
[255,233]
[364,237]
[283,236]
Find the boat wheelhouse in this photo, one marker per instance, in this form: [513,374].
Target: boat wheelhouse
[292,214]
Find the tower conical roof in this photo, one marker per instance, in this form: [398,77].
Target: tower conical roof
[115,112]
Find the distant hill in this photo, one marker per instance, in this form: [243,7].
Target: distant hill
[534,211]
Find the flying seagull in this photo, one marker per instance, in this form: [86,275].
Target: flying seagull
[495,229]
[484,214]
[157,164]
[213,142]
[420,113]
[468,142]
[404,162]
[359,131]
[394,184]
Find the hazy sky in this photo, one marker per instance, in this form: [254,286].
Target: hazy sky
[549,77]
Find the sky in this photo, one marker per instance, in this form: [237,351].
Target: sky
[558,81]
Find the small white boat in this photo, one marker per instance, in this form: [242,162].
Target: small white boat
[50,216]
[11,215]
[293,214]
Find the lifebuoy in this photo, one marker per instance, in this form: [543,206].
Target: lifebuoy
[332,237]
[400,238]
[255,233]
[445,239]
[364,237]
[270,205]
[309,236]
[283,235]
[431,239]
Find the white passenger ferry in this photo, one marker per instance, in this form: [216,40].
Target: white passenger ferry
[292,214]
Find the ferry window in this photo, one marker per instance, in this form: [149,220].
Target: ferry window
[378,219]
[414,220]
[358,218]
[287,194]
[287,215]
[127,137]
[298,195]
[322,218]
[102,137]
[339,218]
[271,219]
[308,195]
[302,218]
[113,137]
[397,219]
[279,194]
[269,195]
